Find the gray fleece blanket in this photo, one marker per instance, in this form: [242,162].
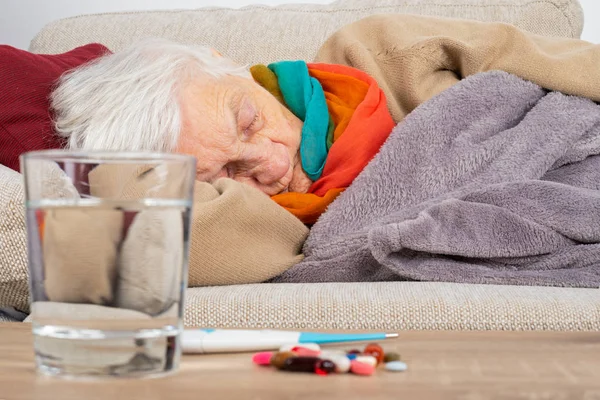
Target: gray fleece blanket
[493,181]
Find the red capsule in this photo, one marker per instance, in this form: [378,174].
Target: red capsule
[305,352]
[300,364]
[324,367]
[376,351]
[354,351]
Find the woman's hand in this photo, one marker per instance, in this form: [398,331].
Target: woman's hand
[300,181]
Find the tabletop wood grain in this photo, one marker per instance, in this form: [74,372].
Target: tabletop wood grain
[442,365]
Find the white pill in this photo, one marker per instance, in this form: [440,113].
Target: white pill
[367,360]
[309,346]
[332,353]
[396,366]
[342,363]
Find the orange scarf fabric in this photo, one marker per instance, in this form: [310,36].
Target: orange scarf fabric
[362,124]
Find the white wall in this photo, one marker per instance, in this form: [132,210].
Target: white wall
[20,20]
[591,27]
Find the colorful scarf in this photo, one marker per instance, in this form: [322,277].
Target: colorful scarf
[346,120]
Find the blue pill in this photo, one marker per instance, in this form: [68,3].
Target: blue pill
[351,356]
[396,366]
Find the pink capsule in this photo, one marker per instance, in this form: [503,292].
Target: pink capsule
[359,368]
[263,358]
[366,359]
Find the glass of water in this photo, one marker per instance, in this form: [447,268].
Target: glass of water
[108,237]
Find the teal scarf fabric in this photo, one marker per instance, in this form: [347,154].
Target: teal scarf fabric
[304,96]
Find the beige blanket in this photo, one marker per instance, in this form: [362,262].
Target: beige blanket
[414,58]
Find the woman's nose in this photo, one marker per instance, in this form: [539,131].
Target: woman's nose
[265,178]
[264,181]
[271,170]
[267,164]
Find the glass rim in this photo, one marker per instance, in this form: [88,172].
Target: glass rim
[102,156]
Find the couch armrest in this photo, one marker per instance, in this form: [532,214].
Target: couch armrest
[14,289]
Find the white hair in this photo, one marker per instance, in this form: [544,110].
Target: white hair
[129,100]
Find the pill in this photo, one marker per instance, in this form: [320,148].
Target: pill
[365,359]
[263,358]
[279,358]
[376,351]
[289,347]
[324,367]
[300,364]
[305,352]
[396,366]
[351,356]
[359,368]
[327,353]
[342,363]
[391,357]
[354,351]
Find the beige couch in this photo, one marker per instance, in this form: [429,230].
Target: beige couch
[265,34]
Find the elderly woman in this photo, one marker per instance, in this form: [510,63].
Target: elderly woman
[163,96]
[299,133]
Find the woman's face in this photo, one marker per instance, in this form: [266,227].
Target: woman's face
[237,129]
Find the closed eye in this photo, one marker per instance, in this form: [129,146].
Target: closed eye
[254,121]
[252,126]
[248,119]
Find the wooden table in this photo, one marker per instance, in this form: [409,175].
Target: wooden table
[444,365]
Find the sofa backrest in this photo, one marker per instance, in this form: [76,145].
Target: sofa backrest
[263,34]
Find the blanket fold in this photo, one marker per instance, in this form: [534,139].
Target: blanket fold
[493,181]
[414,58]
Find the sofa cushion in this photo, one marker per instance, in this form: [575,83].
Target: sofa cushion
[27,80]
[391,306]
[263,34]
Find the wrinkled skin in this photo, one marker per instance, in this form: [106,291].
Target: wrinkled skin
[237,129]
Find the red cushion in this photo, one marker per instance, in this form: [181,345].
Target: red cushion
[26,80]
